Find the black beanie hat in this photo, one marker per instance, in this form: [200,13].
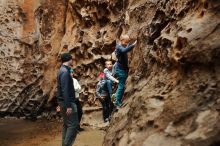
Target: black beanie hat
[66,57]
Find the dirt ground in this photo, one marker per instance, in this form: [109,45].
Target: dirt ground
[14,132]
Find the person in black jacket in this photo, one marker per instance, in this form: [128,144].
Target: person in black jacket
[66,101]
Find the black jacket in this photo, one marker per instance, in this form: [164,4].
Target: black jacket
[65,87]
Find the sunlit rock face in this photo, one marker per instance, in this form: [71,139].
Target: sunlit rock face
[172,91]
[30,36]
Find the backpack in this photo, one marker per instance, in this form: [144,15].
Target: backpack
[100,85]
[100,92]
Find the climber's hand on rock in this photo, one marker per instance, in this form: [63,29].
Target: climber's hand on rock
[135,42]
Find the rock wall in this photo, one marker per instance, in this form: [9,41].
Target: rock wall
[172,94]
[33,34]
[173,87]
[30,35]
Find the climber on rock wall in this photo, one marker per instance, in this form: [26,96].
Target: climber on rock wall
[121,67]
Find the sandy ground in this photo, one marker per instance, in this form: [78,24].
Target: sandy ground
[87,138]
[15,132]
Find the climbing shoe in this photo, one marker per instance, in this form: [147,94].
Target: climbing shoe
[117,104]
[113,98]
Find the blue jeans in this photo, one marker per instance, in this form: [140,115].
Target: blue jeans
[122,77]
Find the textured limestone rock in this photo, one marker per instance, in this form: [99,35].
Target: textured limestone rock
[173,86]
[30,33]
[34,33]
[173,89]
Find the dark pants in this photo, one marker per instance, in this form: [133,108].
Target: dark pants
[79,109]
[107,107]
[70,124]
